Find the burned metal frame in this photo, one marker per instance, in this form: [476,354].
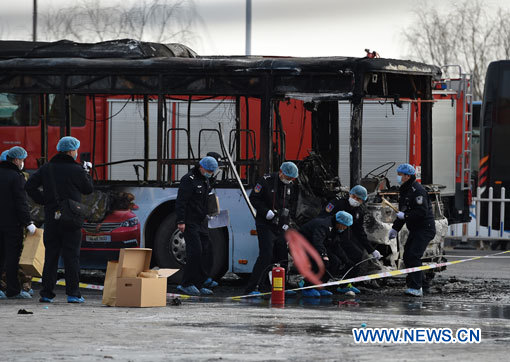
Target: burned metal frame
[266,78]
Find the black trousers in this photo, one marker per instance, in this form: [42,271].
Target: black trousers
[342,256]
[198,255]
[413,251]
[11,244]
[58,241]
[353,250]
[336,266]
[272,248]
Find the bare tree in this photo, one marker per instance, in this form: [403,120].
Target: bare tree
[100,22]
[59,24]
[470,35]
[503,35]
[149,20]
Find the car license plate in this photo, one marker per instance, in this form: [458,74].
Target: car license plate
[98,238]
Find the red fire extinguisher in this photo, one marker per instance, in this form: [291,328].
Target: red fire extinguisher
[278,285]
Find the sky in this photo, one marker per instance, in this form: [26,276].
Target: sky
[279,27]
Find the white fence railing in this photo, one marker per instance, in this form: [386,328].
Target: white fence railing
[474,230]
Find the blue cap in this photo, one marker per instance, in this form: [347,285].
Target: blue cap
[344,218]
[406,169]
[289,169]
[360,191]
[17,152]
[68,143]
[3,156]
[209,163]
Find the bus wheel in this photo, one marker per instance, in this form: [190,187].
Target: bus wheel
[170,249]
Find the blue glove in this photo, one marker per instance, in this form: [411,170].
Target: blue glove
[401,215]
[393,234]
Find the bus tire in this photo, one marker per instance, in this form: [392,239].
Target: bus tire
[170,249]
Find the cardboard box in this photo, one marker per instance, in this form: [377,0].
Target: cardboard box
[110,284]
[129,273]
[136,291]
[32,256]
[141,292]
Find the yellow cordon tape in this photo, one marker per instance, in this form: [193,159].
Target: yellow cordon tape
[377,275]
[62,282]
[339,282]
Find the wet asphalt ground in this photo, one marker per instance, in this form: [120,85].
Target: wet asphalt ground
[471,295]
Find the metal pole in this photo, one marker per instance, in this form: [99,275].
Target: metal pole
[165,141]
[478,208]
[356,141]
[236,175]
[189,130]
[146,137]
[238,133]
[266,130]
[94,137]
[161,100]
[44,129]
[34,22]
[247,126]
[502,213]
[248,27]
[426,137]
[489,223]
[65,126]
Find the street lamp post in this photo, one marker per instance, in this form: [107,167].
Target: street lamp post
[248,27]
[34,22]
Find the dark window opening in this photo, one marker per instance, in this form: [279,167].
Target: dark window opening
[18,110]
[77,105]
[503,113]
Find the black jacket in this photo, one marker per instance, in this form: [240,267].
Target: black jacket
[270,193]
[414,201]
[319,232]
[358,217]
[14,210]
[71,181]
[191,204]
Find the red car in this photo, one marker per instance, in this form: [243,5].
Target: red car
[102,241]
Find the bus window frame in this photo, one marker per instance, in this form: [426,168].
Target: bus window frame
[34,112]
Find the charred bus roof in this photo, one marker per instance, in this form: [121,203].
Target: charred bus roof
[134,67]
[129,67]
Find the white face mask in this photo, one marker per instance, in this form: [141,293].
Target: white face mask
[285,181]
[399,179]
[22,165]
[353,203]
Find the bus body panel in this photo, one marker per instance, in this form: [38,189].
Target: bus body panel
[494,135]
[242,244]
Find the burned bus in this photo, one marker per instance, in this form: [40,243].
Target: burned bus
[147,112]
